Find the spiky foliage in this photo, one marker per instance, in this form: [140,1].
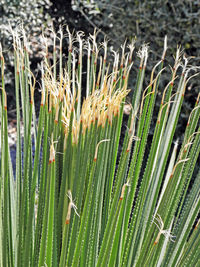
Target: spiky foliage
[75,204]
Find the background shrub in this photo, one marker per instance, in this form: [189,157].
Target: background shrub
[34,17]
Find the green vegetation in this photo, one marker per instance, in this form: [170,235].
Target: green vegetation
[73,203]
[34,16]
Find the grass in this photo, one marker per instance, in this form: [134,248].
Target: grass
[72,203]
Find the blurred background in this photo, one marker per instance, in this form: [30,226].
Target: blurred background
[147,21]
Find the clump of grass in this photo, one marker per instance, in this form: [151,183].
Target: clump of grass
[75,205]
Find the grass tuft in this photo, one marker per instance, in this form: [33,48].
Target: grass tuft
[73,203]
